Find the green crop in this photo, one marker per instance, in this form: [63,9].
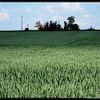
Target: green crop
[50,64]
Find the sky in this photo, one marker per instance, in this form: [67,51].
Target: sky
[86,14]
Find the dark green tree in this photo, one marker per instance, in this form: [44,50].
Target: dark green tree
[75,27]
[71,25]
[65,26]
[51,26]
[26,29]
[46,26]
[71,20]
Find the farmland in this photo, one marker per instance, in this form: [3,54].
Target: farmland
[50,64]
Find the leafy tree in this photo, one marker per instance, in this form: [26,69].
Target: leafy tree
[59,28]
[41,28]
[46,27]
[71,20]
[71,25]
[75,27]
[65,26]
[51,26]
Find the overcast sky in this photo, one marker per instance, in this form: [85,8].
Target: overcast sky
[87,14]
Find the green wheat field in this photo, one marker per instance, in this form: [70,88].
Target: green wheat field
[50,64]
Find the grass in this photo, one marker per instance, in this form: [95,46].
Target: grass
[50,64]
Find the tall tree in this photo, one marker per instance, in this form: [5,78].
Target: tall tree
[51,26]
[71,25]
[46,27]
[71,21]
[65,26]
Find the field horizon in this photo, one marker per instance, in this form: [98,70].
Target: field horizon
[50,64]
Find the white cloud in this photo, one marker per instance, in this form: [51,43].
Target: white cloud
[72,6]
[4,16]
[69,7]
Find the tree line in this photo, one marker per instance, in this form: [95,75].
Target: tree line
[54,26]
[69,25]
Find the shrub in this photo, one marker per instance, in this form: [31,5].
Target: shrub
[26,29]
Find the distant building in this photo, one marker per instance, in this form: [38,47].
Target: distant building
[37,25]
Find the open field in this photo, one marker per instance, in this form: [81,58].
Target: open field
[50,64]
